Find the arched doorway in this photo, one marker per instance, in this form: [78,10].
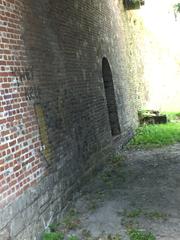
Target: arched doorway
[110,97]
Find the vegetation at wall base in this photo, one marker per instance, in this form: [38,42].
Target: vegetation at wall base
[58,236]
[149,136]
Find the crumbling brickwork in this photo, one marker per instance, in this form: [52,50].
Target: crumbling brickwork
[54,121]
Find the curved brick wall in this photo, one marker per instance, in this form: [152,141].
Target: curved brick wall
[20,144]
[54,122]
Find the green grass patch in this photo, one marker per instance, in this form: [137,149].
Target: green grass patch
[156,135]
[53,236]
[73,238]
[173,116]
[154,215]
[135,234]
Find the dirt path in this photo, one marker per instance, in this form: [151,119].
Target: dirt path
[140,190]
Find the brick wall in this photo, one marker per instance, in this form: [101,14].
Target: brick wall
[54,121]
[20,161]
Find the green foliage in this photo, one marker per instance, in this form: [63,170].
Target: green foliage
[156,135]
[135,234]
[112,170]
[154,215]
[71,220]
[177,7]
[136,1]
[173,116]
[117,161]
[53,236]
[73,238]
[53,227]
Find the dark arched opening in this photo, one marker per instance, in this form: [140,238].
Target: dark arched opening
[110,97]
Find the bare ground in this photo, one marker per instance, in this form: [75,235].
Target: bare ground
[139,190]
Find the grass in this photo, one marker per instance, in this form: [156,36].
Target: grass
[156,135]
[57,236]
[134,213]
[173,116]
[135,234]
[73,238]
[112,171]
[53,236]
[71,220]
[58,231]
[154,215]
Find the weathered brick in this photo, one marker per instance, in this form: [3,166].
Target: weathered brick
[55,121]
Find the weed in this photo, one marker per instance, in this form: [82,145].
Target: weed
[53,227]
[112,172]
[86,234]
[53,236]
[156,215]
[73,238]
[93,205]
[99,195]
[134,213]
[129,222]
[151,215]
[106,175]
[135,234]
[71,221]
[117,161]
